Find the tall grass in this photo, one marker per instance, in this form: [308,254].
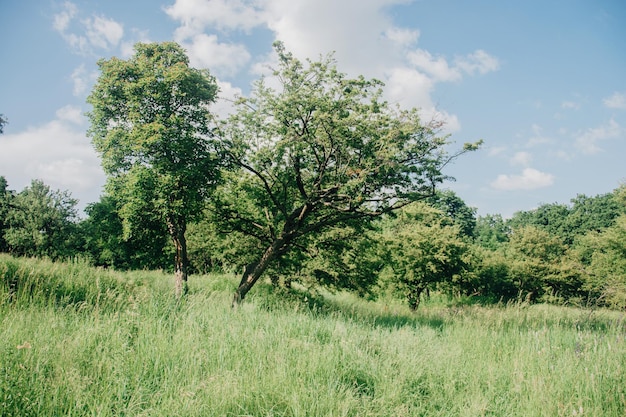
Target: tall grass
[139,352]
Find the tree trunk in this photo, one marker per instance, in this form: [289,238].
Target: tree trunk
[255,269]
[278,247]
[177,232]
[414,297]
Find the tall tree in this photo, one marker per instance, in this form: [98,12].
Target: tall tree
[151,125]
[319,151]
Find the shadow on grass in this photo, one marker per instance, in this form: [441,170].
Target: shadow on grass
[362,311]
[436,314]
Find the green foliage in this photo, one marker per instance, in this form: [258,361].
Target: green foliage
[549,217]
[556,253]
[40,222]
[491,231]
[537,265]
[213,249]
[151,125]
[489,276]
[424,249]
[595,213]
[454,207]
[322,150]
[6,205]
[603,256]
[341,258]
[106,245]
[568,222]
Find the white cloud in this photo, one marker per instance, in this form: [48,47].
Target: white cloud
[588,141]
[226,98]
[82,80]
[102,32]
[496,150]
[360,33]
[478,62]
[521,158]
[223,59]
[437,68]
[616,101]
[127,47]
[409,87]
[62,19]
[58,153]
[403,37]
[570,105]
[530,179]
[95,32]
[357,30]
[70,114]
[206,51]
[196,15]
[538,137]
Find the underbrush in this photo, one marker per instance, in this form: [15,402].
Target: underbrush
[140,352]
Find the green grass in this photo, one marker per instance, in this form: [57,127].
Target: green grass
[77,341]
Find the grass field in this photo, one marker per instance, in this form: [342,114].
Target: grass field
[77,341]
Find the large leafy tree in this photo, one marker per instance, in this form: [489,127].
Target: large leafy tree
[151,125]
[321,150]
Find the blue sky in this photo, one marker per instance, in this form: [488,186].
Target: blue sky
[543,83]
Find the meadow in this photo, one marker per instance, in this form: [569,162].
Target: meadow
[80,341]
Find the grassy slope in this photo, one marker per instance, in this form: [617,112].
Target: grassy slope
[80,342]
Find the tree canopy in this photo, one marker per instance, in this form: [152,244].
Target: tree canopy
[39,221]
[151,125]
[319,150]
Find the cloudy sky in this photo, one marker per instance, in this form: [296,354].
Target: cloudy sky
[543,83]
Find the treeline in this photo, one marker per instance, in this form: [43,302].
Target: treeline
[557,253]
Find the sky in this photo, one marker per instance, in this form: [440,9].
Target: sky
[541,82]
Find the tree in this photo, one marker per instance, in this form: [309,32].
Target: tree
[539,267]
[6,205]
[603,256]
[321,150]
[551,218]
[103,232]
[3,122]
[42,222]
[491,231]
[594,213]
[568,222]
[425,248]
[453,206]
[151,126]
